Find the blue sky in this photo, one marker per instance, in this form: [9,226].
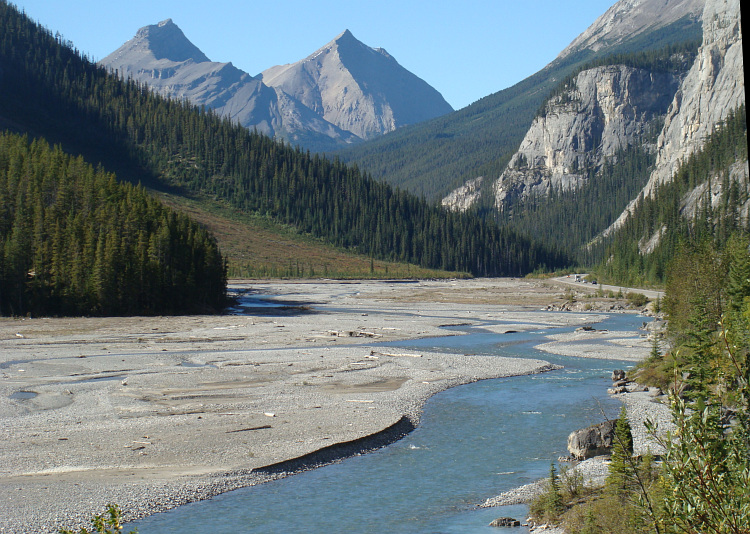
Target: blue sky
[466,50]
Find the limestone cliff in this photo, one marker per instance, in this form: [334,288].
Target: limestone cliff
[714,86]
[601,111]
[464,197]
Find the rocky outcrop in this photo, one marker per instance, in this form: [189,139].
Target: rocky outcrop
[714,86]
[465,196]
[601,111]
[343,93]
[360,89]
[505,522]
[592,441]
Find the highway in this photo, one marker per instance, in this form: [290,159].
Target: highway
[571,280]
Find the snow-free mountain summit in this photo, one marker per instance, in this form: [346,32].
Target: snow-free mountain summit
[340,94]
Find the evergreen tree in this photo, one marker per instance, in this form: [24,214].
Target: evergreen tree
[621,477]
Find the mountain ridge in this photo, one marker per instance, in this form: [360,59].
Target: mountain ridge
[299,111]
[437,156]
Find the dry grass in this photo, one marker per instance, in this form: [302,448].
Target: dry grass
[256,247]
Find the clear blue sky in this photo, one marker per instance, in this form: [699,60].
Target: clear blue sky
[466,50]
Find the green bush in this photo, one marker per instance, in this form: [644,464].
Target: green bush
[636,299]
[107,523]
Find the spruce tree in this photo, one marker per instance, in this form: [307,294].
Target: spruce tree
[621,477]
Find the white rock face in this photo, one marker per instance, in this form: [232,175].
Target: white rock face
[714,86]
[628,18]
[360,89]
[603,110]
[462,198]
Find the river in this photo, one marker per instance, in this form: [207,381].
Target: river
[473,442]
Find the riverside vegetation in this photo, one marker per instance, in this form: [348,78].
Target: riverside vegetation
[702,483]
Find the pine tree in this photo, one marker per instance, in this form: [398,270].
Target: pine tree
[621,477]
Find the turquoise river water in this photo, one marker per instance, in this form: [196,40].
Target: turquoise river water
[473,442]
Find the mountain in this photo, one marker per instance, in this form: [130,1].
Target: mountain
[714,87]
[437,156]
[360,89]
[614,132]
[629,18]
[175,147]
[340,94]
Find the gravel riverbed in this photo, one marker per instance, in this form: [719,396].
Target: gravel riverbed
[155,412]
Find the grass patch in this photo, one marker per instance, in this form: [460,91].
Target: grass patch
[257,247]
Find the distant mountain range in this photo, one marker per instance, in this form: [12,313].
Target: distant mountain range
[343,93]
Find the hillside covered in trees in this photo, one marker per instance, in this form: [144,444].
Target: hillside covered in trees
[573,217]
[48,89]
[436,156]
[75,241]
[660,227]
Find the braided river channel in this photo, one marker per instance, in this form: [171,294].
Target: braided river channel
[473,442]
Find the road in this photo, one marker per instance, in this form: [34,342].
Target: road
[570,280]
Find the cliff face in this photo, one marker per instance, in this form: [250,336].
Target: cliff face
[714,86]
[464,197]
[602,110]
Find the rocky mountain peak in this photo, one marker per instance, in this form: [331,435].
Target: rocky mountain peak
[340,94]
[628,18]
[360,89]
[162,41]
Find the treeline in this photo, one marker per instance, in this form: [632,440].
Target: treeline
[196,151]
[74,241]
[662,212]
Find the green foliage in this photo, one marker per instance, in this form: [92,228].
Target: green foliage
[706,474]
[173,145]
[621,476]
[636,299]
[548,506]
[109,523]
[75,241]
[704,484]
[661,213]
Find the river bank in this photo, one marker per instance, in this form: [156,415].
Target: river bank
[155,412]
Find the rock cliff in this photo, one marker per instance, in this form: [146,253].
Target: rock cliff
[600,111]
[714,86]
[464,197]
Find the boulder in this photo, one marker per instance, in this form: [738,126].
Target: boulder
[592,441]
[618,374]
[505,522]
